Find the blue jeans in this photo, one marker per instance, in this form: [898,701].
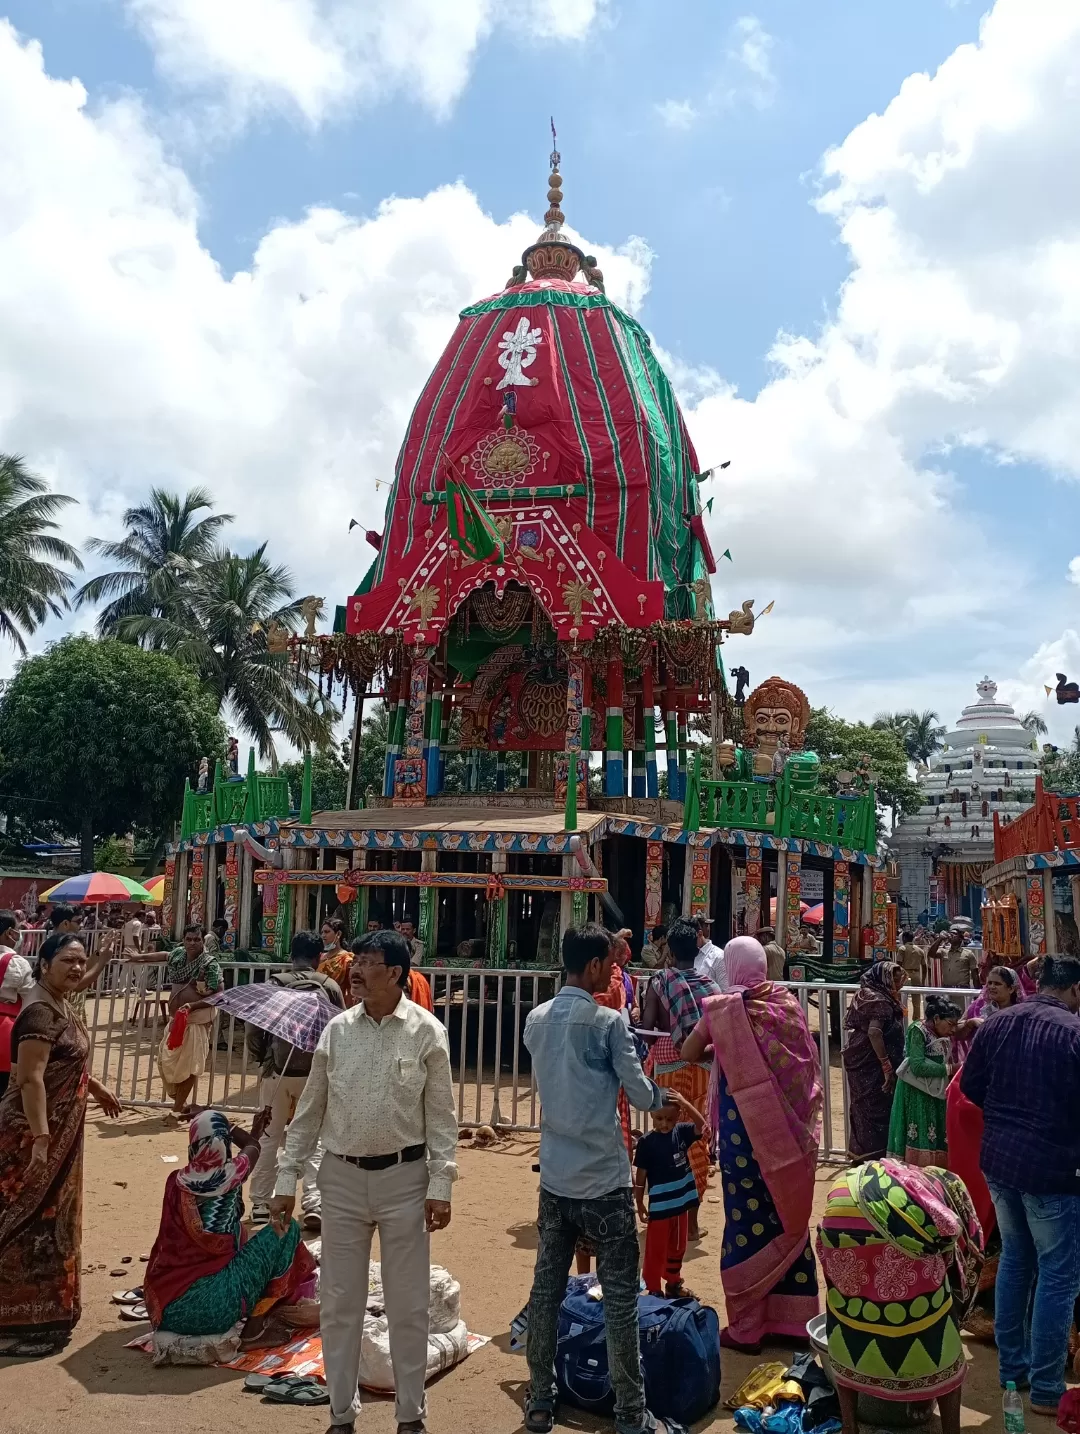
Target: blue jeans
[609,1223]
[1040,1251]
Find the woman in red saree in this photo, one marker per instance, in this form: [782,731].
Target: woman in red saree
[765,1107]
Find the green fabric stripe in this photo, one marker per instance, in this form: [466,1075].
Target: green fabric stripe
[538,299]
[586,451]
[590,353]
[669,479]
[652,470]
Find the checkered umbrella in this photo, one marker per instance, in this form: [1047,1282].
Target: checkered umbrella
[295,1016]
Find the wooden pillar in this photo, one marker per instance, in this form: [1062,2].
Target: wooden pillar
[639,785]
[209,904]
[196,907]
[363,895]
[879,884]
[654,884]
[232,895]
[247,892]
[699,865]
[1036,913]
[434,736]
[780,922]
[409,783]
[575,700]
[614,776]
[428,930]
[566,901]
[353,796]
[671,739]
[792,887]
[683,744]
[648,710]
[395,712]
[167,897]
[497,930]
[752,889]
[841,911]
[866,904]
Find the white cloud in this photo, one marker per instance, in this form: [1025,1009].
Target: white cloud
[677,114]
[128,357]
[958,325]
[314,57]
[743,76]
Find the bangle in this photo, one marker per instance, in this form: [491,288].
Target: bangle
[886,1064]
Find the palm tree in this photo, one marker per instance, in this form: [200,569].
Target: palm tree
[892,722]
[923,736]
[32,586]
[164,543]
[1034,723]
[220,628]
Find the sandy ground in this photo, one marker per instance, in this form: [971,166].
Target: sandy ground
[98,1387]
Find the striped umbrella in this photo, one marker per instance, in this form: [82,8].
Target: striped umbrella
[95,888]
[156,887]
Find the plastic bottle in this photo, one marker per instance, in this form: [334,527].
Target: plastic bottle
[1012,1408]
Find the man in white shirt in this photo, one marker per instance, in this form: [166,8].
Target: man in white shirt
[710,959]
[16,981]
[380,1096]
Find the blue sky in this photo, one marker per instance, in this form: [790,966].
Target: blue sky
[904,464]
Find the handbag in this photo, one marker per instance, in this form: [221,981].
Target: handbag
[929,1085]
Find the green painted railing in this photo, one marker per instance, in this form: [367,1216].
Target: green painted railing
[773,807]
[254,798]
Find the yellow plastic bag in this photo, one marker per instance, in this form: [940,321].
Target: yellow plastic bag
[765,1387]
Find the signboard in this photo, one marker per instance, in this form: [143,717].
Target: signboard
[812,886]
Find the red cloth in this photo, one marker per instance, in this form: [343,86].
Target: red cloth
[665,1246]
[1068,1415]
[177,1026]
[964,1133]
[183,1251]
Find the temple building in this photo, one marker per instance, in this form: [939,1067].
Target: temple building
[538,622]
[985,768]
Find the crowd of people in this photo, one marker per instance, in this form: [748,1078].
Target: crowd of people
[954,1160]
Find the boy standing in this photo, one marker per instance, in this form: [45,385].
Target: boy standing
[661,1161]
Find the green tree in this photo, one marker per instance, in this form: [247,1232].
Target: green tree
[1061,768]
[923,736]
[32,585]
[329,775]
[1034,723]
[102,735]
[221,631]
[163,545]
[841,746]
[112,855]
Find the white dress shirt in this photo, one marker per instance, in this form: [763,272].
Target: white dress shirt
[710,962]
[18,978]
[377,1087]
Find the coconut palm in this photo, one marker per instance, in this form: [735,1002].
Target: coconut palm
[892,722]
[164,542]
[1034,723]
[220,628]
[32,586]
[923,736]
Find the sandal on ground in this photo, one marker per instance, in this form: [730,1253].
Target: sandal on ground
[539,1418]
[699,1236]
[681,1291]
[128,1297]
[272,1334]
[134,1312]
[33,1349]
[312,1221]
[295,1389]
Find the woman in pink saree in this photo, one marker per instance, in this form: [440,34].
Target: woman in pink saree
[765,1107]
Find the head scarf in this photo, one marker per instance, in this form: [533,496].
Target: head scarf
[745,963]
[878,986]
[212,1170]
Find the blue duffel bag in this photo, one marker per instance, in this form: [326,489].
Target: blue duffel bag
[680,1354]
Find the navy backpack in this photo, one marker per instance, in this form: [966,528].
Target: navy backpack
[680,1354]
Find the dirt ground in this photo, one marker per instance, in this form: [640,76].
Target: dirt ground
[98,1387]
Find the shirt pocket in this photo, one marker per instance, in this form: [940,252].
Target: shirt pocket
[410,1074]
[594,1052]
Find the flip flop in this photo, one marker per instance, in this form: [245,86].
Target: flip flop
[134,1313]
[296,1391]
[128,1297]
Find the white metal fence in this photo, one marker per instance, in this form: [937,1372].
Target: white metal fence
[483,1011]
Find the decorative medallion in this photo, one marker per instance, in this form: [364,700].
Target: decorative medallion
[518,350]
[505,459]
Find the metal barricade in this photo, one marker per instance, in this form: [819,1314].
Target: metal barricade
[484,1012]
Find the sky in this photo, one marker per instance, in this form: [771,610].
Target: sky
[234,239]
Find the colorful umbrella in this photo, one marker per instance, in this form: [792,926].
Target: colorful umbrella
[814,915]
[156,887]
[295,1016]
[94,888]
[803,909]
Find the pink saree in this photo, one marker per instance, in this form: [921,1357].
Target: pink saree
[765,1106]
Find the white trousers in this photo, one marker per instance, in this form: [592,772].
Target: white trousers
[282,1102]
[356,1203]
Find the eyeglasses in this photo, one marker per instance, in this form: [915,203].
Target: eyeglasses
[367,958]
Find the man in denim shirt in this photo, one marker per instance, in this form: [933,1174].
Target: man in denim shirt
[581,1054]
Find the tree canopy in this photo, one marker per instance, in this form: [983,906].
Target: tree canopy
[102,734]
[919,733]
[32,584]
[841,745]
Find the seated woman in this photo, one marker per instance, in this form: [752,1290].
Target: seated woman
[905,1243]
[203,1276]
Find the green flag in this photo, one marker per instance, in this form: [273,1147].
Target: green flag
[727,554]
[470,527]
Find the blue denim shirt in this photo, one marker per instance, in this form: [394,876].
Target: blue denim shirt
[581,1054]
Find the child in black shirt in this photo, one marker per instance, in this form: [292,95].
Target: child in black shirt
[662,1163]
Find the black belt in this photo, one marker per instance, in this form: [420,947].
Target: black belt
[384,1162]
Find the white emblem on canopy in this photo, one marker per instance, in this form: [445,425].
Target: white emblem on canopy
[518,352]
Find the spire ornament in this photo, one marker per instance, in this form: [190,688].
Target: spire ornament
[553,256]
